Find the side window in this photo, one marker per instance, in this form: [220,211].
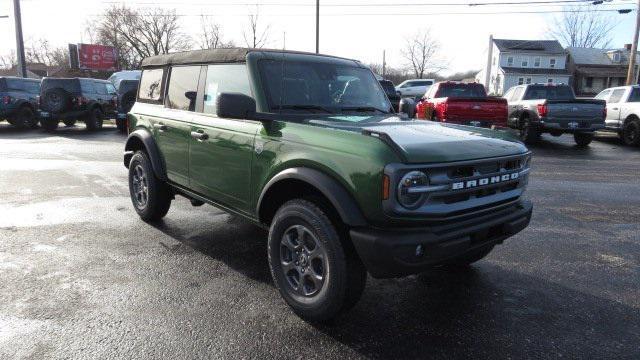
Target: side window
[508,94]
[183,87]
[150,85]
[224,78]
[616,96]
[603,95]
[101,88]
[635,95]
[87,87]
[517,94]
[111,90]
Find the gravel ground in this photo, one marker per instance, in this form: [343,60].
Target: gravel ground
[82,277]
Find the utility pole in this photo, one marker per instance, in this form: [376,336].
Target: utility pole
[22,66]
[317,26]
[634,50]
[384,63]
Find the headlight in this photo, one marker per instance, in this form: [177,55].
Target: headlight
[409,194]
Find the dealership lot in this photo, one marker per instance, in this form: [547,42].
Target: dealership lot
[82,277]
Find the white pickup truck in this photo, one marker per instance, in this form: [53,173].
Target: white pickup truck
[623,112]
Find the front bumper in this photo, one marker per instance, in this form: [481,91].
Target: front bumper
[397,252]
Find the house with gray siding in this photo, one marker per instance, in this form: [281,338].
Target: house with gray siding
[516,62]
[597,69]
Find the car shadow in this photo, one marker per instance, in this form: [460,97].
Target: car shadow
[486,311]
[78,131]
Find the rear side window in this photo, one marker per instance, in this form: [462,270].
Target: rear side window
[22,85]
[616,96]
[183,87]
[603,94]
[423,83]
[87,87]
[151,85]
[224,78]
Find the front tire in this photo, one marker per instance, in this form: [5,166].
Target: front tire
[631,133]
[151,197]
[313,272]
[583,139]
[94,120]
[49,124]
[528,133]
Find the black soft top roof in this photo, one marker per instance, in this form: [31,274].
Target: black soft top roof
[226,55]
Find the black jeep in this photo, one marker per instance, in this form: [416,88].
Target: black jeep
[127,90]
[18,101]
[71,99]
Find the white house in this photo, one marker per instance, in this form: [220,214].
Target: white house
[514,62]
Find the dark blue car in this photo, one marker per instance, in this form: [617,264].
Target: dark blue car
[19,101]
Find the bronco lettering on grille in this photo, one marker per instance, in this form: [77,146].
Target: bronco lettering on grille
[484,181]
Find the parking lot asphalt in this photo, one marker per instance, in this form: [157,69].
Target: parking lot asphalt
[82,277]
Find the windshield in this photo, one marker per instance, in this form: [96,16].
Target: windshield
[461,90]
[549,93]
[320,87]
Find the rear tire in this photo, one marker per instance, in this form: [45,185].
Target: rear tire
[631,133]
[583,139]
[529,134]
[312,270]
[95,120]
[25,118]
[49,124]
[69,123]
[150,196]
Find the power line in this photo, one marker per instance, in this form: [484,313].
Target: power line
[621,11]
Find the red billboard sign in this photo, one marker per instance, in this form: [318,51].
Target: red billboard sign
[97,57]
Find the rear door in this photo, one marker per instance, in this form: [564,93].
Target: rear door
[221,150]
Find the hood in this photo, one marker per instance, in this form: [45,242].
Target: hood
[420,141]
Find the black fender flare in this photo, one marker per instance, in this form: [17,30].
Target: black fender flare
[337,195]
[145,137]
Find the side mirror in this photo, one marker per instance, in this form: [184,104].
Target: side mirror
[235,106]
[408,106]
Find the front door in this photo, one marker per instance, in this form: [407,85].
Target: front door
[221,150]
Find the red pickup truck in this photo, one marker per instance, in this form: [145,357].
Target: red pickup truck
[462,103]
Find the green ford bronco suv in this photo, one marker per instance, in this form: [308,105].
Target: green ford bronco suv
[307,147]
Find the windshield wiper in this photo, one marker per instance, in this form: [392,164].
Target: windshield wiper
[363,109]
[304,107]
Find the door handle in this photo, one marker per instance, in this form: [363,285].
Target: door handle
[199,135]
[160,126]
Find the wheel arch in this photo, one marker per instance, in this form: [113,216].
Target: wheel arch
[142,139]
[299,182]
[629,118]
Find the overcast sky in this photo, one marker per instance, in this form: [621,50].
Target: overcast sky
[360,30]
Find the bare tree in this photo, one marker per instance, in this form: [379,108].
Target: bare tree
[211,37]
[256,37]
[7,61]
[41,51]
[138,34]
[579,28]
[421,53]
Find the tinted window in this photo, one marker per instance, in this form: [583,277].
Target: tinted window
[321,87]
[603,94]
[101,88]
[549,93]
[87,87]
[423,83]
[635,95]
[616,96]
[224,78]
[22,85]
[461,90]
[151,84]
[388,88]
[183,87]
